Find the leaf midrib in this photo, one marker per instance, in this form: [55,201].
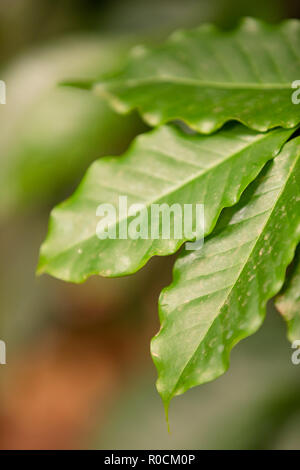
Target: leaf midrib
[191,82]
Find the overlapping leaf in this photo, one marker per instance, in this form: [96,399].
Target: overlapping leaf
[163,166]
[288,302]
[219,294]
[206,77]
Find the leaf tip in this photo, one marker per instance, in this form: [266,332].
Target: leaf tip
[166,408]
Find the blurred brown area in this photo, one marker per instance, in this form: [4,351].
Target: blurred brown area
[79,373]
[56,384]
[65,372]
[52,391]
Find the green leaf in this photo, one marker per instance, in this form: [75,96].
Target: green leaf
[288,302]
[163,166]
[207,77]
[218,295]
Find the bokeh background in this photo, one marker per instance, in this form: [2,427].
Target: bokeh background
[79,373]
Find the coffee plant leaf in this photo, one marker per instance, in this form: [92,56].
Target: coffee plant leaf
[206,77]
[164,166]
[219,293]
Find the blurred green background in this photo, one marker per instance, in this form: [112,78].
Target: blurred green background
[79,373]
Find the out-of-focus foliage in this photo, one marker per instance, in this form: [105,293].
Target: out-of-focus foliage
[288,302]
[24,22]
[49,134]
